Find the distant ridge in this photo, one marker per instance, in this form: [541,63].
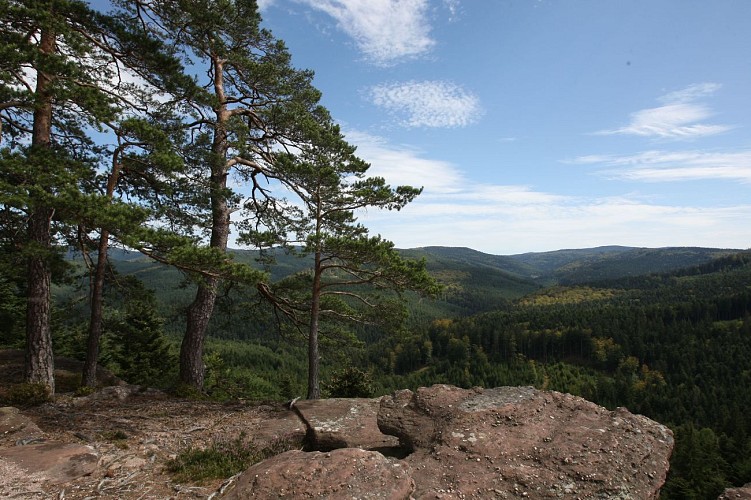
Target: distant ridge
[572,266]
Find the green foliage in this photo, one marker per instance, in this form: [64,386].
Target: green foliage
[11,313]
[350,382]
[223,459]
[84,390]
[697,469]
[140,351]
[28,394]
[224,382]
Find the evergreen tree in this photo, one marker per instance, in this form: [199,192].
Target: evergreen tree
[251,105]
[331,185]
[51,95]
[141,351]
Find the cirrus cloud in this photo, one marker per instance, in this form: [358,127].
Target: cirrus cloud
[670,166]
[680,118]
[431,104]
[386,31]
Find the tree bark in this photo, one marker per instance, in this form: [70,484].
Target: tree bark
[40,367]
[88,378]
[314,386]
[39,358]
[192,371]
[202,308]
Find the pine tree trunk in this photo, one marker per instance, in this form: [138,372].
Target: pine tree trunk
[314,386]
[192,369]
[202,308]
[88,378]
[39,358]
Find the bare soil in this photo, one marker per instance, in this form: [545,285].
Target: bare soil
[134,433]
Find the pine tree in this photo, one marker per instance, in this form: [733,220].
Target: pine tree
[332,185]
[251,105]
[51,96]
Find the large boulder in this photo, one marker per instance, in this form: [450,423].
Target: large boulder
[520,442]
[344,473]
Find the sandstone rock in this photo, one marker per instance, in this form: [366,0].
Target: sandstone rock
[521,442]
[344,473]
[337,422]
[16,427]
[742,493]
[352,423]
[56,462]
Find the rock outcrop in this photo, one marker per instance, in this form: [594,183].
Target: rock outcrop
[344,473]
[508,442]
[336,423]
[28,452]
[521,442]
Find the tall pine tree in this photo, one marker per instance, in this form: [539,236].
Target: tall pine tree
[51,97]
[252,105]
[331,185]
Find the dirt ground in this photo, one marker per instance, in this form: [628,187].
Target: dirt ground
[134,434]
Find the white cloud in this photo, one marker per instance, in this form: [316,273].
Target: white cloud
[386,31]
[666,166]
[428,103]
[507,219]
[691,93]
[680,118]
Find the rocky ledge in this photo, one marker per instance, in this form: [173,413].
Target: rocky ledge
[436,442]
[507,442]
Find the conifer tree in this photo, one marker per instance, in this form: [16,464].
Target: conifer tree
[252,105]
[331,185]
[50,97]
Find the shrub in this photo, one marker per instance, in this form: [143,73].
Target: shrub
[223,459]
[350,382]
[28,394]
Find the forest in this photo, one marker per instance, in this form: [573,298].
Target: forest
[138,145]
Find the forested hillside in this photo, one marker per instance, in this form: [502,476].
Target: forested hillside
[675,347]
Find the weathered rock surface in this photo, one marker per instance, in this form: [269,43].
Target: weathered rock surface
[26,450]
[343,473]
[496,443]
[743,493]
[337,422]
[58,462]
[15,427]
[520,442]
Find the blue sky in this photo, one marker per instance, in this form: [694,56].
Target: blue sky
[536,125]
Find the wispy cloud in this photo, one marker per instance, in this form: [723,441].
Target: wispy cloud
[667,166]
[507,219]
[680,118]
[428,103]
[690,93]
[386,31]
